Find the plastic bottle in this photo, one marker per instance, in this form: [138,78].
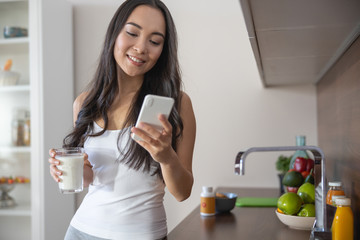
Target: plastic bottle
[343,224]
[300,141]
[207,201]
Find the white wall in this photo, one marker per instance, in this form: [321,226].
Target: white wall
[233,110]
[53,71]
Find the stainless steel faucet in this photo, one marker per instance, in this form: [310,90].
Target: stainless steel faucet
[320,229]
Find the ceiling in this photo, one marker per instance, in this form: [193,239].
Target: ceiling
[297,41]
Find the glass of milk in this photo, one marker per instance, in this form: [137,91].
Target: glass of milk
[71,164]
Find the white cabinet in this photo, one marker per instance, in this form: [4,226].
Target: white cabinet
[15,160]
[44,61]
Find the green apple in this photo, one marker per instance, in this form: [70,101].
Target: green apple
[307,210]
[290,203]
[307,192]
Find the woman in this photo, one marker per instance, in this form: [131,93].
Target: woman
[126,178]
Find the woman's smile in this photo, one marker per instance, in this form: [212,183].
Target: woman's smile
[135,60]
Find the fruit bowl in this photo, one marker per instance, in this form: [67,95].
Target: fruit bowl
[295,222]
[7,185]
[5,199]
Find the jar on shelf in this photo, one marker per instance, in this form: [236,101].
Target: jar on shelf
[300,141]
[21,128]
[27,135]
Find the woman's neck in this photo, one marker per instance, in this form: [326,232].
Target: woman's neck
[129,85]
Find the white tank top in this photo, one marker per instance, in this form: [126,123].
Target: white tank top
[121,203]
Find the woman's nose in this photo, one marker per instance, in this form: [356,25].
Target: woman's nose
[140,46]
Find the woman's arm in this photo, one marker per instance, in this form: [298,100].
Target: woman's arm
[177,171]
[88,173]
[54,171]
[176,166]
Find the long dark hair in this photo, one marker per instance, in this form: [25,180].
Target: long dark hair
[163,79]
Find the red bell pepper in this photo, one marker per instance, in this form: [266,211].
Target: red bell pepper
[309,165]
[300,164]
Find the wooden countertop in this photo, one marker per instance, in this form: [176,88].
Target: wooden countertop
[241,223]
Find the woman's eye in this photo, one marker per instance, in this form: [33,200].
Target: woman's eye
[154,42]
[131,34]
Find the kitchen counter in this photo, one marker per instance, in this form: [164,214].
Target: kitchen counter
[241,223]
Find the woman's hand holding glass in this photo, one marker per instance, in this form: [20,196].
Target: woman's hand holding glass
[55,172]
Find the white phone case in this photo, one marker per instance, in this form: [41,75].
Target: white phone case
[151,108]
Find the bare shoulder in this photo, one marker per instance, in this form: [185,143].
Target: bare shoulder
[186,109]
[185,101]
[79,100]
[78,104]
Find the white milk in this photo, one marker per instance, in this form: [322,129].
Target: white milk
[72,168]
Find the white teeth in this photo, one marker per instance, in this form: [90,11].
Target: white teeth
[135,59]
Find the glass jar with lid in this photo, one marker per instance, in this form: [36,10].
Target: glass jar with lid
[20,129]
[335,189]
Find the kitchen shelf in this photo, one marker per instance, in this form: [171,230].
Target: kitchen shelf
[11,41]
[15,88]
[21,210]
[6,1]
[15,149]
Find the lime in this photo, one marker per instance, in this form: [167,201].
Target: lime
[307,210]
[307,192]
[290,203]
[293,179]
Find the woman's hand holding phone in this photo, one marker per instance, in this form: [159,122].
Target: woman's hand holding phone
[153,131]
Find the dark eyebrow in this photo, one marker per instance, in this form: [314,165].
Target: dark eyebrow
[138,26]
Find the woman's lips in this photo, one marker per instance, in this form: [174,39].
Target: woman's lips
[135,60]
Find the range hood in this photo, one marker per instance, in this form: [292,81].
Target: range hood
[297,42]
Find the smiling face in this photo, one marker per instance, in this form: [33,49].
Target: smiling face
[140,42]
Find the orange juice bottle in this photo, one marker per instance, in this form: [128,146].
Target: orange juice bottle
[335,188]
[343,224]
[207,202]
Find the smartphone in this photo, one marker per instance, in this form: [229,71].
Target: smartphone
[151,108]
